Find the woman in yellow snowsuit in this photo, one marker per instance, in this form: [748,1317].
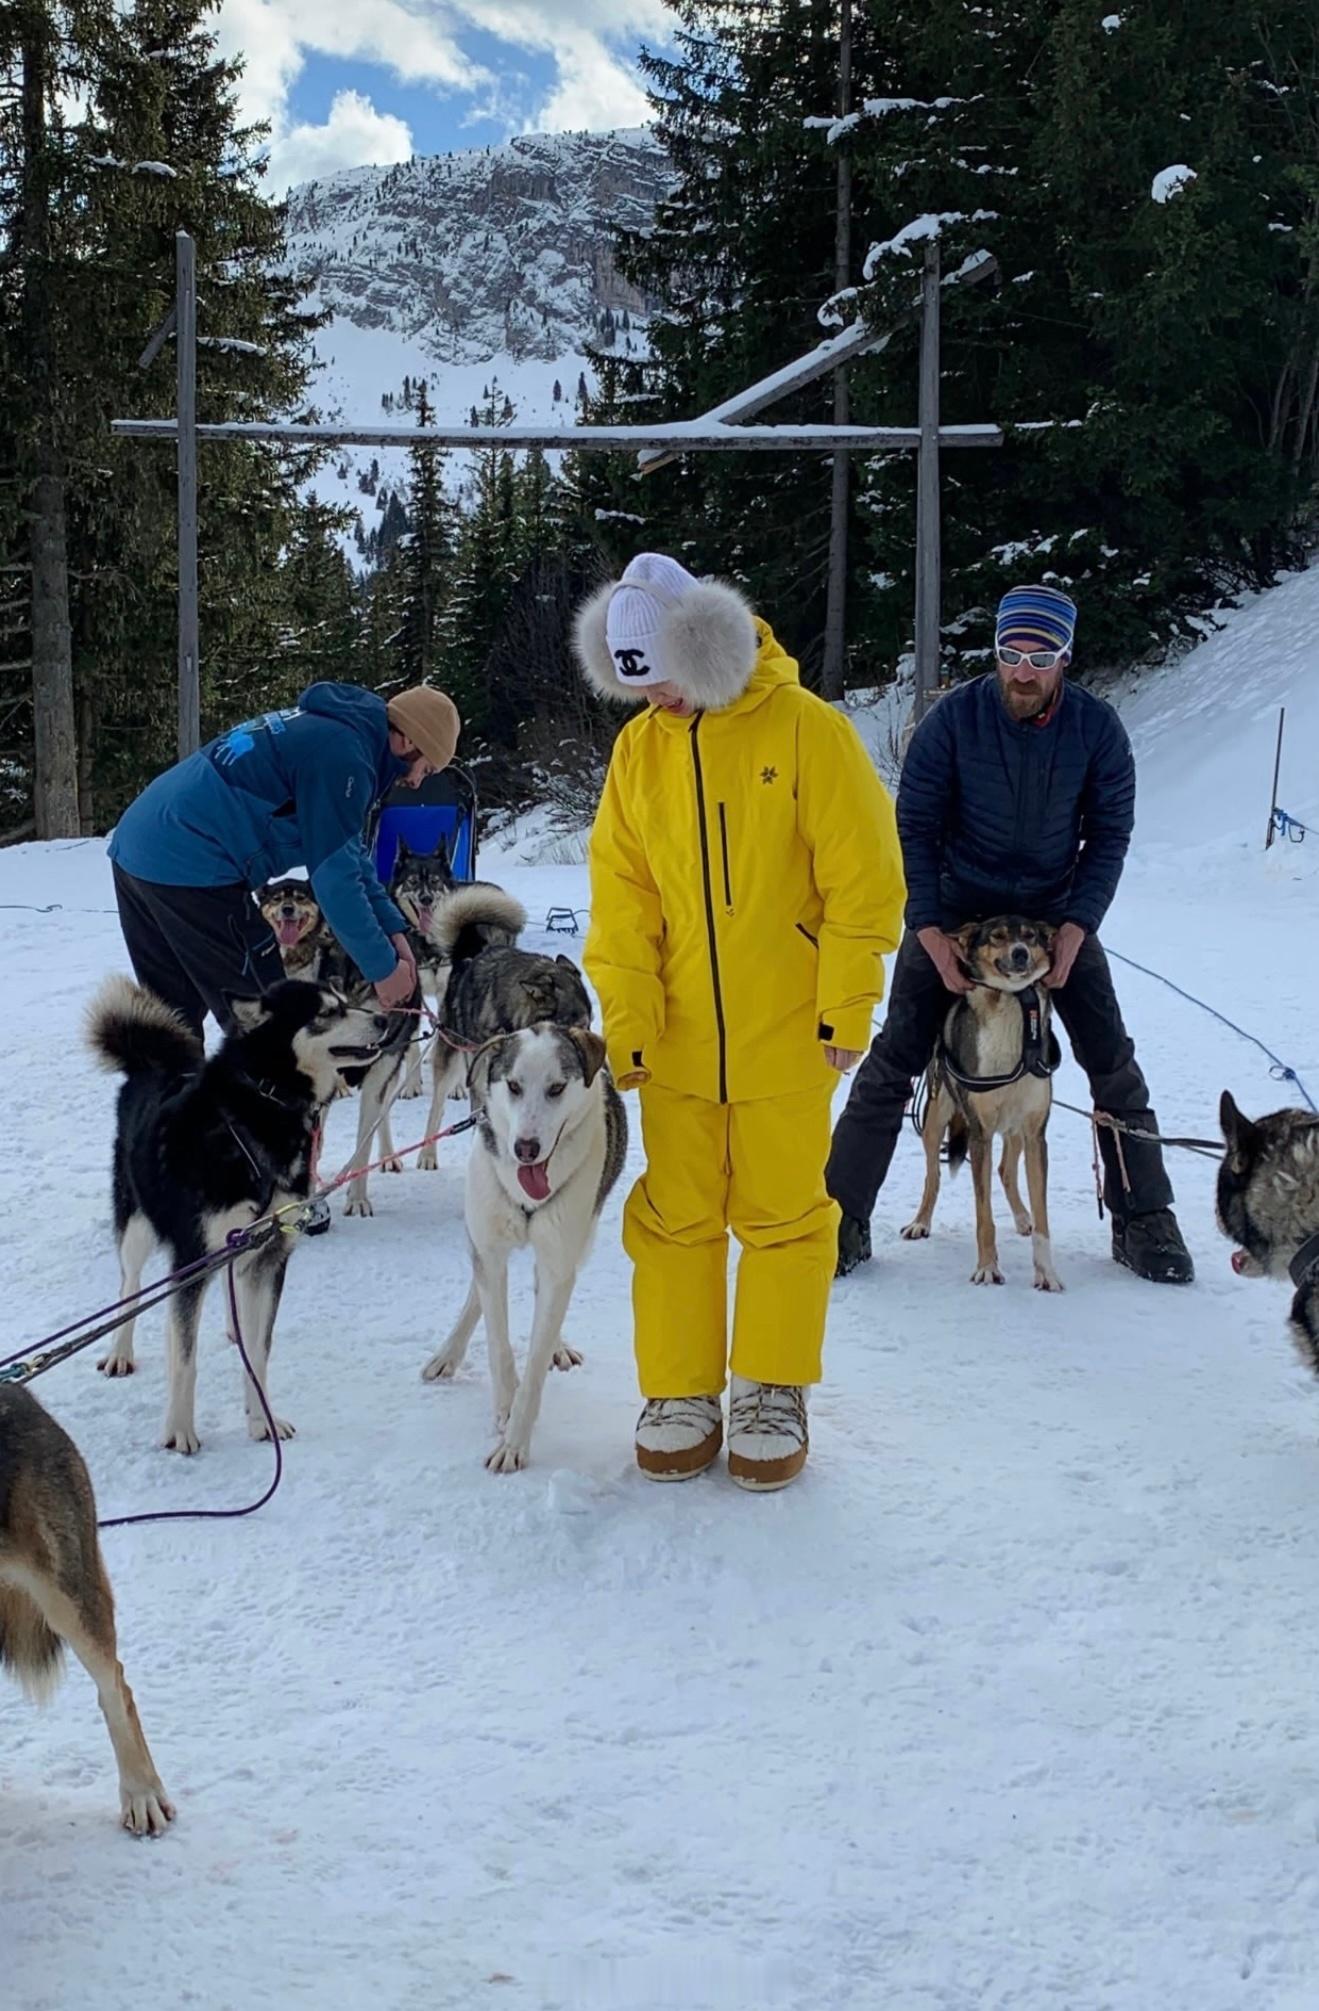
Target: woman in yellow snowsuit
[746,881]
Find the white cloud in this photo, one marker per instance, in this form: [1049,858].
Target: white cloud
[421,42]
[355,135]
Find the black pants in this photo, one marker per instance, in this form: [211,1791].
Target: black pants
[196,946]
[867,1132]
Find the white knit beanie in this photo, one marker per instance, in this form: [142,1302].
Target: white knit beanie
[649,587]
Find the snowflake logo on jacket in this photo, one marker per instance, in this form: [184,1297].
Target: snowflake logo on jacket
[768,775]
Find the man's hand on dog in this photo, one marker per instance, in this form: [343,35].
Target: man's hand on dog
[1066,948]
[397,989]
[943,953]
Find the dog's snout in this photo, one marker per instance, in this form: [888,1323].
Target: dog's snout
[528,1151]
[1020,956]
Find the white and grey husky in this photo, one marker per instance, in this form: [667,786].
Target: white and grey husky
[551,1143]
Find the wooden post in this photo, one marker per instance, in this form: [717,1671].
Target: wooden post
[927,491]
[185,271]
[834,666]
[1277,770]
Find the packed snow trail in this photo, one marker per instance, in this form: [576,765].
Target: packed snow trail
[1009,1702]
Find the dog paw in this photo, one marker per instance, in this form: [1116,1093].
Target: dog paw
[259,1429]
[428,1160]
[1048,1281]
[987,1274]
[117,1365]
[566,1358]
[507,1457]
[409,1091]
[146,1811]
[181,1438]
[441,1368]
[392,1165]
[359,1204]
[1023,1225]
[915,1232]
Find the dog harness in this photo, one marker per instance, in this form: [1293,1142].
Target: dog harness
[1038,1057]
[1304,1266]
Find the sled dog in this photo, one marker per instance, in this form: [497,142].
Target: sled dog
[1268,1205]
[552,1137]
[991,1076]
[204,1147]
[54,1591]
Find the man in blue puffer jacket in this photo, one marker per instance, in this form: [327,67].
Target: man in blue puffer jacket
[293,788]
[1017,797]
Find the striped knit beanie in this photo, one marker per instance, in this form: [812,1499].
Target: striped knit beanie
[1035,618]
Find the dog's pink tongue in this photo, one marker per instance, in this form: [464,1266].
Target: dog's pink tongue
[535,1181]
[286,933]
[1238,1261]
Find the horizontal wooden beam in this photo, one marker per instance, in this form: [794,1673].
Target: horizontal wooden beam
[858,339]
[682,438]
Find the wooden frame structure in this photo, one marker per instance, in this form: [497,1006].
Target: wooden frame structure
[722,430]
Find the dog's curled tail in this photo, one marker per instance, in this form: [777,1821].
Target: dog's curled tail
[474,918]
[959,1142]
[130,1030]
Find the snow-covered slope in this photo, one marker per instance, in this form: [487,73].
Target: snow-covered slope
[467,269]
[1010,1703]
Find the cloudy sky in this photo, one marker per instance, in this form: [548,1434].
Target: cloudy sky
[344,82]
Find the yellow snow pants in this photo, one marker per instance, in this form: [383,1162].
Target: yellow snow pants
[757,1169]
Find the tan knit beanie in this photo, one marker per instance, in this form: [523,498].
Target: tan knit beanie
[430,720]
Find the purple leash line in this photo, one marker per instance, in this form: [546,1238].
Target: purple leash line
[219,1514]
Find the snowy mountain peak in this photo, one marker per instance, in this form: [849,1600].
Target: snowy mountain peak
[500,251]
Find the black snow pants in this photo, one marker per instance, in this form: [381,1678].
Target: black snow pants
[196,946]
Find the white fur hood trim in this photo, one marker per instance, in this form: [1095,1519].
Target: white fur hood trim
[708,637]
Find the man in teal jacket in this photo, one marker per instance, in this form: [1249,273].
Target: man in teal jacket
[293,788]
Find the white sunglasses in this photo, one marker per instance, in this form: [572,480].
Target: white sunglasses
[1038,659]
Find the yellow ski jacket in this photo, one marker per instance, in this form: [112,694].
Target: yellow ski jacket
[746,881]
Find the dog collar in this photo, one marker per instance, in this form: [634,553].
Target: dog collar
[1304,1266]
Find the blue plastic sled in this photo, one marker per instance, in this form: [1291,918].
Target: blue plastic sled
[443,808]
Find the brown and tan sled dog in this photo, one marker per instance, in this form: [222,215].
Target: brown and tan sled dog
[53,1591]
[991,1076]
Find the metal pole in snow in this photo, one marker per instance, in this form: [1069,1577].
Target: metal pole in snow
[1277,770]
[185,271]
[927,490]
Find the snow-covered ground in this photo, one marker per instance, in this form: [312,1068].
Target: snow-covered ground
[1009,1703]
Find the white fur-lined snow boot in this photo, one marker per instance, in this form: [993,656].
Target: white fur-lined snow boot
[678,1437]
[767,1436]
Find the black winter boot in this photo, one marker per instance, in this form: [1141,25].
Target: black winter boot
[1151,1246]
[853,1245]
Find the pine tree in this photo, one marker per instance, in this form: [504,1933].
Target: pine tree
[425,558]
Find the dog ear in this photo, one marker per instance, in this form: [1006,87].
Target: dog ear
[965,939]
[561,959]
[592,1050]
[1240,1134]
[404,851]
[1048,933]
[478,1069]
[246,1013]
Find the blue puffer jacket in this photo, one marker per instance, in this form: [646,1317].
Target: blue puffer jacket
[289,789]
[998,816]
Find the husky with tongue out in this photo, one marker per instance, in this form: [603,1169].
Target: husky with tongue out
[552,1139]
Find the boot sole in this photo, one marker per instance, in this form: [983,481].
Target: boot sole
[766,1476]
[681,1465]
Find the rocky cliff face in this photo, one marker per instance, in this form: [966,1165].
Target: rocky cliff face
[501,252]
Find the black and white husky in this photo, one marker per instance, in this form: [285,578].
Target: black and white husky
[552,1140]
[205,1147]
